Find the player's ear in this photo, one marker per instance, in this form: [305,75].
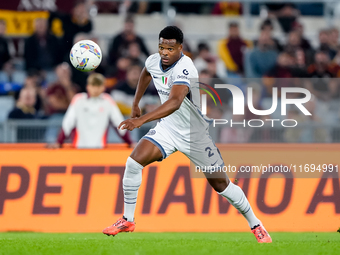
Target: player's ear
[102,89]
[180,47]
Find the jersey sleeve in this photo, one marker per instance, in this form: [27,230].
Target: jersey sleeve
[184,73]
[116,117]
[69,121]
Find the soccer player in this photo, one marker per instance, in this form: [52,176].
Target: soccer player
[90,115]
[171,72]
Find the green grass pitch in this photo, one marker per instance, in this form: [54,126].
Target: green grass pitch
[167,243]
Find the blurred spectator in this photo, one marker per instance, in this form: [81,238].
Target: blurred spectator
[227,8]
[211,67]
[125,90]
[304,43]
[289,64]
[42,50]
[128,6]
[78,22]
[204,57]
[321,85]
[297,41]
[263,58]
[34,81]
[267,27]
[283,66]
[294,41]
[118,72]
[135,54]
[282,69]
[107,6]
[120,43]
[325,43]
[322,67]
[334,39]
[186,46]
[187,49]
[60,93]
[299,68]
[231,49]
[286,14]
[24,108]
[11,80]
[4,53]
[90,115]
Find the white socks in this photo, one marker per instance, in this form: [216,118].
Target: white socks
[131,182]
[133,178]
[235,195]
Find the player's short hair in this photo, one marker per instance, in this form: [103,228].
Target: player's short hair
[172,32]
[96,79]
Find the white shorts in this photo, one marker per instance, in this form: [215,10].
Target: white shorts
[202,152]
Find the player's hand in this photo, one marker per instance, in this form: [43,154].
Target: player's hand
[53,146]
[130,124]
[136,112]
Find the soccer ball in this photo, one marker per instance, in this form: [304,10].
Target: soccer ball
[85,55]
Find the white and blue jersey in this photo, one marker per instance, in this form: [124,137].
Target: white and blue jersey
[186,129]
[182,72]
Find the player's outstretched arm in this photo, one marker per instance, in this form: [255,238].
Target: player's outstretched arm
[143,83]
[176,97]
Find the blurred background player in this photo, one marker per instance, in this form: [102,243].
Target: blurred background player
[89,116]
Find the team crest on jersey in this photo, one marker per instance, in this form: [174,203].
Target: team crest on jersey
[151,132]
[166,81]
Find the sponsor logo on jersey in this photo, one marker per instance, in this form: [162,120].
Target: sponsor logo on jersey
[162,92]
[182,77]
[185,72]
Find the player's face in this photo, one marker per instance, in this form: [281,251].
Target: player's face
[95,91]
[169,50]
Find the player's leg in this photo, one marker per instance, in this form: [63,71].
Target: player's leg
[205,153]
[220,182]
[235,195]
[152,147]
[143,154]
